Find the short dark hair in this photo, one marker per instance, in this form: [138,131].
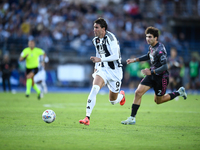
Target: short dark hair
[152,30]
[101,22]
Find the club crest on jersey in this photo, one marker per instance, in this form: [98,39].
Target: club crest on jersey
[100,49]
[151,49]
[97,40]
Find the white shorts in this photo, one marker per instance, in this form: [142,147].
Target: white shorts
[111,77]
[40,76]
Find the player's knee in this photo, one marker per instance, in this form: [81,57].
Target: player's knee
[138,93]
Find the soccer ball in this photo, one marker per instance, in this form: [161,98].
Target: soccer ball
[49,116]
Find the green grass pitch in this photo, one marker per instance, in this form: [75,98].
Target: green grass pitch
[174,125]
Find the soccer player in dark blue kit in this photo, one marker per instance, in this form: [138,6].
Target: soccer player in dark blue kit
[157,77]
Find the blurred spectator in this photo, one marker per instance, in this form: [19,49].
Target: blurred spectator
[67,21]
[143,65]
[184,44]
[175,64]
[6,72]
[45,41]
[131,74]
[194,73]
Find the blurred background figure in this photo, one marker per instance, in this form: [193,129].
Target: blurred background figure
[132,74]
[6,72]
[143,65]
[40,77]
[175,64]
[194,73]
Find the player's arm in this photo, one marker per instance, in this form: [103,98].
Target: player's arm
[115,51]
[23,56]
[42,52]
[97,64]
[44,56]
[142,58]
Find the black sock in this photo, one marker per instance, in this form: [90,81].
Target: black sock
[88,117]
[173,95]
[135,108]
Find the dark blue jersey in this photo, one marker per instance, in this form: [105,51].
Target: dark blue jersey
[158,56]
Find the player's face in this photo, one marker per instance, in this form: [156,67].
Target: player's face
[151,40]
[173,53]
[98,31]
[31,44]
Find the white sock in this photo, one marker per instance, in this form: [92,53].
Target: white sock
[44,86]
[39,86]
[119,98]
[92,99]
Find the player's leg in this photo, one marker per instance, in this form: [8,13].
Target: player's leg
[44,85]
[29,77]
[160,90]
[170,96]
[35,87]
[9,84]
[30,82]
[37,84]
[4,83]
[140,91]
[143,87]
[98,83]
[114,95]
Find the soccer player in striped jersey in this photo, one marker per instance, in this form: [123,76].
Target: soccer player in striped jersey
[40,77]
[108,68]
[157,77]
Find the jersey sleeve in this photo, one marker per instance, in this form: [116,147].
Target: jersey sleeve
[40,52]
[162,57]
[23,53]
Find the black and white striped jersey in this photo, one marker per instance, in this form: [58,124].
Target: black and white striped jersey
[108,50]
[41,58]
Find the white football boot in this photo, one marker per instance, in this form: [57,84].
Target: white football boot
[182,92]
[131,120]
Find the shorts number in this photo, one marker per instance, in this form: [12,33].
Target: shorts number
[159,92]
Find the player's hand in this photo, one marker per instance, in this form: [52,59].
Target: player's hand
[176,64]
[146,71]
[128,61]
[95,59]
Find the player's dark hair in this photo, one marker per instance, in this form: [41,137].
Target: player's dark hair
[152,30]
[101,22]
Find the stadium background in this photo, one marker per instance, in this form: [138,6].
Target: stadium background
[64,29]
